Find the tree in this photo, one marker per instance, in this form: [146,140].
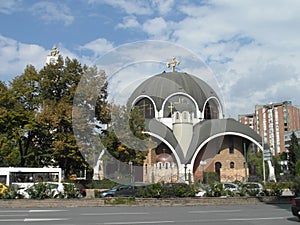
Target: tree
[21,118]
[57,86]
[9,154]
[293,154]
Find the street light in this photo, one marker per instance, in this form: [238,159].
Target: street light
[264,110]
[203,164]
[130,164]
[263,157]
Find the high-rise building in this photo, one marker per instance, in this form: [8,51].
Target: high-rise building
[271,121]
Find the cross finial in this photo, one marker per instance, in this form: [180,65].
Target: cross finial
[54,51]
[173,63]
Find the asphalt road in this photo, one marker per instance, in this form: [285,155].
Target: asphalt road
[261,214]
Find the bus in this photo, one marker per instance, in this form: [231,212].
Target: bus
[23,177]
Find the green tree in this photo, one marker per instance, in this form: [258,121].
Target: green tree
[57,86]
[293,154]
[125,139]
[21,118]
[9,154]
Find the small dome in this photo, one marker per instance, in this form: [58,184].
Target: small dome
[164,157]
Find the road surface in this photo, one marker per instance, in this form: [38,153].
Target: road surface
[261,214]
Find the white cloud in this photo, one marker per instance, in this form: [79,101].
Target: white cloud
[135,7]
[51,12]
[156,28]
[99,46]
[163,7]
[129,22]
[252,47]
[9,6]
[14,56]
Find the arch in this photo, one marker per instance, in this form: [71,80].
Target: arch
[141,97]
[167,144]
[218,135]
[218,166]
[187,97]
[212,109]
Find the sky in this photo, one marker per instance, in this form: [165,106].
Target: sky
[252,47]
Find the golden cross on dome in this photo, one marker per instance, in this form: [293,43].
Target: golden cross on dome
[173,64]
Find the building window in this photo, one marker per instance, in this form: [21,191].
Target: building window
[231,165]
[231,150]
[146,107]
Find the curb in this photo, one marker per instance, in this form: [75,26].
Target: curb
[99,202]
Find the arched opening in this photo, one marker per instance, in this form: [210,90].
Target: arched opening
[146,107]
[211,110]
[218,167]
[179,103]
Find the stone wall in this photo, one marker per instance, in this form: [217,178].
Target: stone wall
[94,202]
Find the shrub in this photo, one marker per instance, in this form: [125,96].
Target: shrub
[296,186]
[39,191]
[274,189]
[71,191]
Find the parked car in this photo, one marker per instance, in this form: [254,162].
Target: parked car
[219,189]
[201,192]
[253,188]
[234,188]
[123,190]
[295,208]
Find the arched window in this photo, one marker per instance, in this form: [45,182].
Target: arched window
[146,107]
[211,110]
[179,103]
[218,167]
[231,165]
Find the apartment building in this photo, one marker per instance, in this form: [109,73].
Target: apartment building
[272,121]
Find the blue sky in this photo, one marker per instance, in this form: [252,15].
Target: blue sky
[252,46]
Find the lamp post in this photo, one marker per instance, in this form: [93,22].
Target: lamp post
[263,158]
[263,144]
[203,164]
[130,164]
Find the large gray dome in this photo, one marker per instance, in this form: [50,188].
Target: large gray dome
[161,86]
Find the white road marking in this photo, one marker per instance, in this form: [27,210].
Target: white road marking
[262,218]
[14,215]
[14,211]
[43,219]
[216,211]
[141,222]
[12,220]
[46,210]
[110,214]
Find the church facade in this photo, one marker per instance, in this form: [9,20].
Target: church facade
[184,116]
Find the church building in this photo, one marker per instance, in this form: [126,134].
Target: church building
[184,116]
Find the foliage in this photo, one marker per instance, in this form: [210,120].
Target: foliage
[10,193]
[293,154]
[210,177]
[158,190]
[296,186]
[39,191]
[70,191]
[101,184]
[297,168]
[274,188]
[124,139]
[36,125]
